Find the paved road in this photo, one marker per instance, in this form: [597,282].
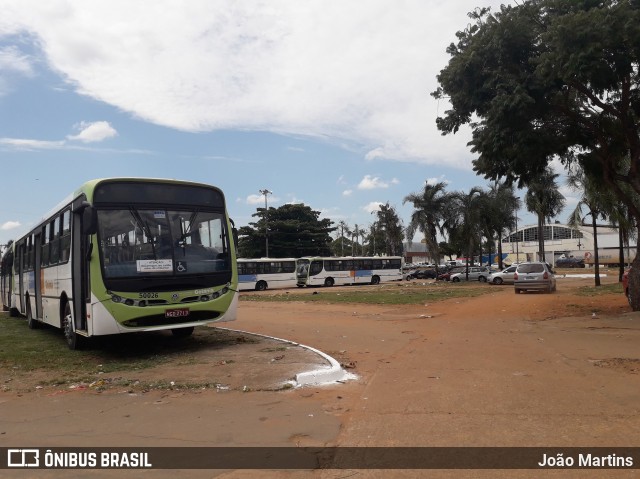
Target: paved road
[498,370]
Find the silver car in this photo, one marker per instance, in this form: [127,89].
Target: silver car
[476,273]
[505,276]
[534,276]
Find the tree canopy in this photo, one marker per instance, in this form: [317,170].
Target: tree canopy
[549,79]
[294,230]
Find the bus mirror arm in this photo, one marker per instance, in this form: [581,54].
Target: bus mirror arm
[89,251]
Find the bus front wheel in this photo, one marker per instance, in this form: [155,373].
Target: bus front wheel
[328,282]
[74,341]
[261,286]
[182,332]
[375,280]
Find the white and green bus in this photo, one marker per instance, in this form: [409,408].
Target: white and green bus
[263,273]
[123,255]
[329,271]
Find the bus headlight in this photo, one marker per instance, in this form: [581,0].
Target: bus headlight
[117,299]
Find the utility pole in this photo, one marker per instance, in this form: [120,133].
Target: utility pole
[266,192]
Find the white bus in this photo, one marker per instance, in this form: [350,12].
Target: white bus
[263,273]
[316,271]
[124,255]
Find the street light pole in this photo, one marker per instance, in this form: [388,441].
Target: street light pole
[266,192]
[517,233]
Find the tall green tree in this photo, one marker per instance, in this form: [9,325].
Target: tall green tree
[430,207]
[545,200]
[389,227]
[295,230]
[551,79]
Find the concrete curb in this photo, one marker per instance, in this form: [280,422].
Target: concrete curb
[318,377]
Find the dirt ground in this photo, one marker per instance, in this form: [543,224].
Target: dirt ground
[500,369]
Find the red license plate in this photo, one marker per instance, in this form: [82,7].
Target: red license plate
[176,313]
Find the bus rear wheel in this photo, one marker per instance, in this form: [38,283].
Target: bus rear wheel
[375,280]
[31,321]
[261,286]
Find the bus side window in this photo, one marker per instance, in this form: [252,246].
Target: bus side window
[45,248]
[65,240]
[54,238]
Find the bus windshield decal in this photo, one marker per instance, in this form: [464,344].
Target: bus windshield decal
[154,265]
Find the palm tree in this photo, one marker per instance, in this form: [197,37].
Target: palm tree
[501,207]
[430,210]
[544,199]
[596,200]
[468,208]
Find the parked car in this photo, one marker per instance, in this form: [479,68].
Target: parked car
[625,285]
[502,277]
[446,275]
[476,273]
[534,275]
[570,263]
[422,274]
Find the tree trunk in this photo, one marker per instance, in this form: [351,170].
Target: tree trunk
[634,282]
[540,238]
[596,256]
[620,254]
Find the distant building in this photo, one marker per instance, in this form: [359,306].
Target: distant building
[563,241]
[560,241]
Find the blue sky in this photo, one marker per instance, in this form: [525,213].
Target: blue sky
[321,102]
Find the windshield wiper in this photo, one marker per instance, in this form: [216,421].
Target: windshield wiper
[144,226]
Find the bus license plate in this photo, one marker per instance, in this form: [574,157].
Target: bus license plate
[176,313]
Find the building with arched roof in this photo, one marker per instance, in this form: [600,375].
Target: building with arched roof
[564,241]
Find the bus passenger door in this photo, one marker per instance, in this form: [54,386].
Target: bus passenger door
[37,276]
[20,250]
[79,268]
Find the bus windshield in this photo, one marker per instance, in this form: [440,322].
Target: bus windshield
[160,242]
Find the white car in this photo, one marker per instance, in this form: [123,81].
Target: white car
[503,277]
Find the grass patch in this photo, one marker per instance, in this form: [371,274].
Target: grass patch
[391,293]
[613,288]
[23,350]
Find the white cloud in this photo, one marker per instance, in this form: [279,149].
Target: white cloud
[373,206]
[10,225]
[93,132]
[347,192]
[27,144]
[13,62]
[325,68]
[371,183]
[259,200]
[434,181]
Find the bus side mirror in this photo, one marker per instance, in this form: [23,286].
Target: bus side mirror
[234,232]
[89,218]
